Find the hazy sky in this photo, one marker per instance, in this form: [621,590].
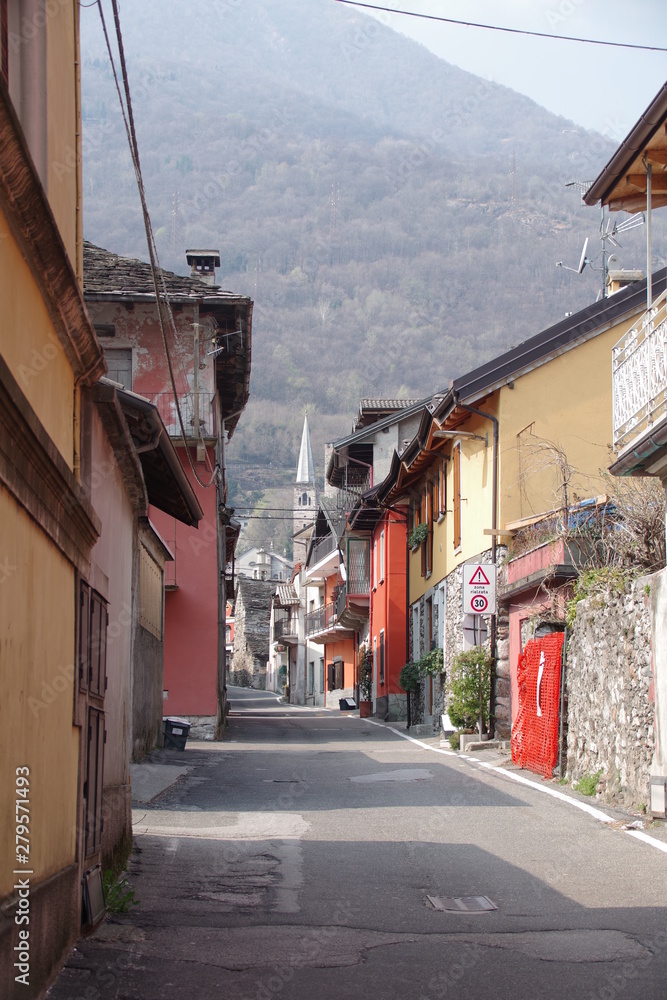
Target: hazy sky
[598,87]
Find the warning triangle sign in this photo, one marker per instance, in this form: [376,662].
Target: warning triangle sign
[479,577]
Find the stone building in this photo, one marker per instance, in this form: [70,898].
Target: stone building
[252,632]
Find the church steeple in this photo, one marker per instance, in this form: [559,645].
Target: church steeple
[305,492]
[305,472]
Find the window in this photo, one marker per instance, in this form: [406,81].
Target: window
[322,674]
[382,555]
[416,645]
[119,363]
[381,659]
[456,461]
[442,488]
[311,676]
[92,786]
[150,594]
[376,573]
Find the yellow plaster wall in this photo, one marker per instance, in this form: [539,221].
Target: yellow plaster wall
[36,679]
[62,121]
[569,401]
[30,347]
[476,494]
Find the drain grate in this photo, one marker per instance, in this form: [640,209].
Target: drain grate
[462,904]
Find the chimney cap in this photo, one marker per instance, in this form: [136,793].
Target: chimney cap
[195,257]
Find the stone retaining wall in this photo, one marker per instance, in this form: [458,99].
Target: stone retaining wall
[610,699]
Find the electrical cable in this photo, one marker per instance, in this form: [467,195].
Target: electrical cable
[161,298]
[497,27]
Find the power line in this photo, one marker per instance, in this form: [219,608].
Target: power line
[161,298]
[497,27]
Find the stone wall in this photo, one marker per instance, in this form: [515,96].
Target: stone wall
[610,698]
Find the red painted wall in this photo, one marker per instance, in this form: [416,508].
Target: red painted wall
[388,608]
[191,611]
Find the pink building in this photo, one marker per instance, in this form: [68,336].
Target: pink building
[195,367]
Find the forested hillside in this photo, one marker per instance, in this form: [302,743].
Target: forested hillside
[396,220]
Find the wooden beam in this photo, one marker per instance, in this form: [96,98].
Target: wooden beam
[658,182]
[503,532]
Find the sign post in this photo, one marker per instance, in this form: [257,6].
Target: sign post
[479,589]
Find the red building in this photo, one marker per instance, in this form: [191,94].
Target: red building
[198,356]
[359,551]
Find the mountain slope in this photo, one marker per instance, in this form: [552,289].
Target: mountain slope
[395,219]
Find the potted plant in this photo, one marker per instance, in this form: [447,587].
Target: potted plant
[365,682]
[418,535]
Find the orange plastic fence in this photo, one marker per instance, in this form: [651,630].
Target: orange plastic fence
[535,730]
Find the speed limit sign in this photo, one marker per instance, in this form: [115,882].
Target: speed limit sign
[479,589]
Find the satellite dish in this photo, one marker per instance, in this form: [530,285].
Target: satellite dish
[582,262]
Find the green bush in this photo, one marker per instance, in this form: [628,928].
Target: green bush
[409,677]
[419,534]
[365,674]
[470,688]
[118,894]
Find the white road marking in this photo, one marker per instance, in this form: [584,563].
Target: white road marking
[597,814]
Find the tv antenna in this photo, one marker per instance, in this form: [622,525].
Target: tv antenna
[608,234]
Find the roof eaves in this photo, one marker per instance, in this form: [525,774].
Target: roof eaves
[641,133]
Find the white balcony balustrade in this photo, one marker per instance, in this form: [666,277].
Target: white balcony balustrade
[639,377]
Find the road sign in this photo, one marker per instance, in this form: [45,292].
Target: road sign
[479,589]
[475,632]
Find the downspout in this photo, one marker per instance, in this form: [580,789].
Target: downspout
[494,528]
[649,199]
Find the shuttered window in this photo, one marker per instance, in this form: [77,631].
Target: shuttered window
[92,788]
[151,586]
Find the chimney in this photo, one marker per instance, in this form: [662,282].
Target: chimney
[616,280]
[203,264]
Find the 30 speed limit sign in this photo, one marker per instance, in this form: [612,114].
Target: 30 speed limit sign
[479,589]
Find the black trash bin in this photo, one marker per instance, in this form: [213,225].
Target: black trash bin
[175,732]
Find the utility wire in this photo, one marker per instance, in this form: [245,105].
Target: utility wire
[161,295]
[497,27]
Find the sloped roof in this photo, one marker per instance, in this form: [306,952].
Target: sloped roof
[286,595]
[108,274]
[622,182]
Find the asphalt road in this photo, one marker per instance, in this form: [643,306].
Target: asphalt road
[295,859]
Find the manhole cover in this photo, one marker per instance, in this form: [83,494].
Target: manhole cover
[462,904]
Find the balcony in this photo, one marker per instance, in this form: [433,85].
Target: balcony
[322,548]
[321,619]
[639,377]
[205,403]
[285,628]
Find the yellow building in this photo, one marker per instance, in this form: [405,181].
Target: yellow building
[527,433]
[48,356]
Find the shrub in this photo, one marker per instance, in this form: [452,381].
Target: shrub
[409,677]
[365,674]
[418,535]
[470,688]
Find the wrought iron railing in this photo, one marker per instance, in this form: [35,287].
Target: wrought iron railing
[320,619]
[639,376]
[283,627]
[358,565]
[188,403]
[322,548]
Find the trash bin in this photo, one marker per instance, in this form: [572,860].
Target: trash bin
[347,704]
[175,732]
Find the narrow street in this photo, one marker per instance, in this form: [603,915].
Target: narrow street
[294,860]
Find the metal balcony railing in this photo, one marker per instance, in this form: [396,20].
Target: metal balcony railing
[320,619]
[284,627]
[322,548]
[639,376]
[166,406]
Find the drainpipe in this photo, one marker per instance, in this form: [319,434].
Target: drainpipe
[649,199]
[494,526]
